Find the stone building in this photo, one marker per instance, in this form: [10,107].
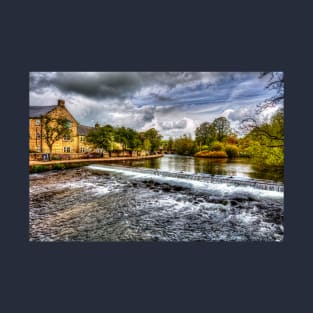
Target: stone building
[74,143]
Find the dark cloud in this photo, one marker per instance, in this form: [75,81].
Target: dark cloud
[173,102]
[102,85]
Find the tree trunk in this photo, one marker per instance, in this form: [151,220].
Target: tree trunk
[50,152]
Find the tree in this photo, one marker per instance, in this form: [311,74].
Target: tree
[277,83]
[205,134]
[170,144]
[101,137]
[54,129]
[222,128]
[184,145]
[267,142]
[146,145]
[154,137]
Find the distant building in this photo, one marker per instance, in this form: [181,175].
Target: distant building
[75,143]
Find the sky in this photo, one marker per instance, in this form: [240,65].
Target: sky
[174,103]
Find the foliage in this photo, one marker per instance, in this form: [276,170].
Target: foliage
[266,142]
[217,146]
[58,166]
[170,144]
[211,154]
[101,137]
[232,139]
[154,137]
[55,158]
[39,168]
[232,151]
[54,129]
[184,145]
[116,146]
[112,138]
[222,128]
[146,145]
[205,134]
[204,147]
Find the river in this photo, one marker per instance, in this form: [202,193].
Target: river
[131,202]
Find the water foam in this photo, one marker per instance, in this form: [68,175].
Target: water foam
[219,187]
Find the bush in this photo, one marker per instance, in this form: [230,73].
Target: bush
[58,166]
[232,151]
[39,168]
[217,146]
[204,147]
[211,154]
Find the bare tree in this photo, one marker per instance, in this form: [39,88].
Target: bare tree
[276,81]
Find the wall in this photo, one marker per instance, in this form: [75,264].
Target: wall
[58,146]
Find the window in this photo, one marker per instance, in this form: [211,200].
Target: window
[82,138]
[69,124]
[38,149]
[37,122]
[67,149]
[67,138]
[38,135]
[82,149]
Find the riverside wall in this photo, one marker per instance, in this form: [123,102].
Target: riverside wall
[63,164]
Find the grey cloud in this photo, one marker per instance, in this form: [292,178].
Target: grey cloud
[102,85]
[181,124]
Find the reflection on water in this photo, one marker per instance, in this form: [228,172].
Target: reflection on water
[232,167]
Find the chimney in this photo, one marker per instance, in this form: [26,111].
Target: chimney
[61,103]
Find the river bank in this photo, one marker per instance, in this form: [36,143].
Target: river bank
[41,166]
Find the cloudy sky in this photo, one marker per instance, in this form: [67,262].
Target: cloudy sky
[173,103]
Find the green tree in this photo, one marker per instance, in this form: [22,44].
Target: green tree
[101,137]
[267,142]
[205,134]
[170,144]
[146,145]
[184,145]
[154,137]
[222,128]
[54,129]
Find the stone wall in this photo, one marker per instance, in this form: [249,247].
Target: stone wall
[36,134]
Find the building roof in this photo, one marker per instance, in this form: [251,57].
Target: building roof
[37,111]
[83,130]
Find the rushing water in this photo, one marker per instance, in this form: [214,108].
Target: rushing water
[116,203]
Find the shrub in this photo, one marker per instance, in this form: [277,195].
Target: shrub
[217,146]
[204,147]
[39,168]
[232,151]
[58,166]
[211,154]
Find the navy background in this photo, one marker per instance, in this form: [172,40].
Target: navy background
[155,277]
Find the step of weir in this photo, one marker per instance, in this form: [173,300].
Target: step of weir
[210,178]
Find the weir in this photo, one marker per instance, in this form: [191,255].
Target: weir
[236,181]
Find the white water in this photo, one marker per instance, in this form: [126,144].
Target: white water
[219,185]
